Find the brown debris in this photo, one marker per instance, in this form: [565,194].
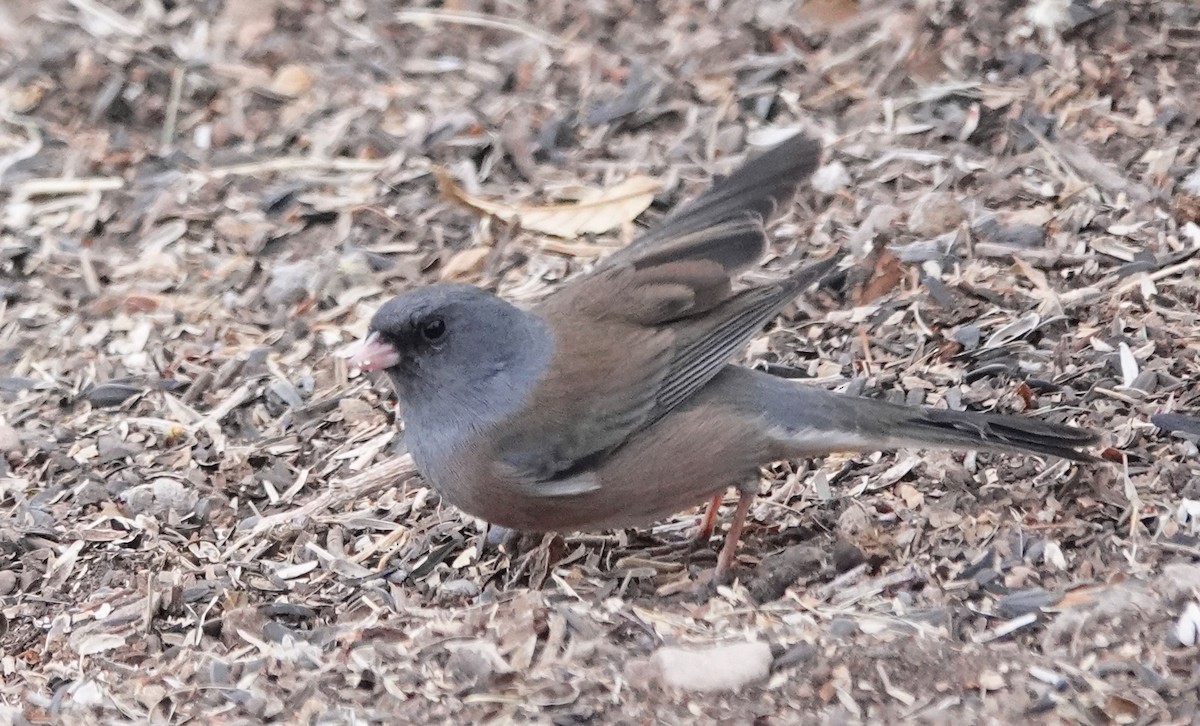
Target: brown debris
[205,518]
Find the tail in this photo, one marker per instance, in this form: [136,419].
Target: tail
[809,421]
[989,431]
[746,199]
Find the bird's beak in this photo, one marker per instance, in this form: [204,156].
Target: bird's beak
[372,353]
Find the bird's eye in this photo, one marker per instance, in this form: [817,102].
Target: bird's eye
[433,329]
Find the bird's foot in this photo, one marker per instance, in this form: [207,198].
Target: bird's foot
[678,548]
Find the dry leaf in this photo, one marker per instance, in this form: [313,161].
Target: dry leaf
[944,519]
[885,277]
[1080,596]
[1121,709]
[1015,330]
[1027,394]
[247,23]
[99,643]
[912,497]
[1034,275]
[991,681]
[1129,364]
[63,565]
[828,14]
[606,211]
[292,81]
[465,264]
[1187,208]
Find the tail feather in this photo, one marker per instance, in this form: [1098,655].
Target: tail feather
[734,244]
[1000,432]
[758,186]
[751,195]
[810,421]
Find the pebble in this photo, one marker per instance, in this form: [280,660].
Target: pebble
[831,178]
[475,663]
[10,440]
[842,627]
[1191,183]
[160,496]
[8,582]
[716,668]
[846,556]
[354,410]
[853,522]
[991,681]
[934,214]
[290,282]
[1179,579]
[1187,628]
[459,588]
[1025,229]
[778,572]
[798,654]
[91,492]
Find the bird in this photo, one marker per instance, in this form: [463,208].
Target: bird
[613,402]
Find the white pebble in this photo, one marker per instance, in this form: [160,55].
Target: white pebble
[716,668]
[1187,629]
[830,178]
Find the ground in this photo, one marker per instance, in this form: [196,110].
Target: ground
[205,515]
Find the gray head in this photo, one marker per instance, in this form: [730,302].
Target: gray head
[453,346]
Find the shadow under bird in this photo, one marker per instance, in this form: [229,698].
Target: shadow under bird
[612,402]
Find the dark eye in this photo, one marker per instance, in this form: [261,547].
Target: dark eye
[433,329]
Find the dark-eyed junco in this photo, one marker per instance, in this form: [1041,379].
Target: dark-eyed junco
[612,402]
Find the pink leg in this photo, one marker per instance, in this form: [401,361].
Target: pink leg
[709,523]
[729,551]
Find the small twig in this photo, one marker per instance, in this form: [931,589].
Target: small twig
[479,20]
[87,270]
[827,590]
[1135,281]
[1180,548]
[63,187]
[384,543]
[294,163]
[232,401]
[172,115]
[876,585]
